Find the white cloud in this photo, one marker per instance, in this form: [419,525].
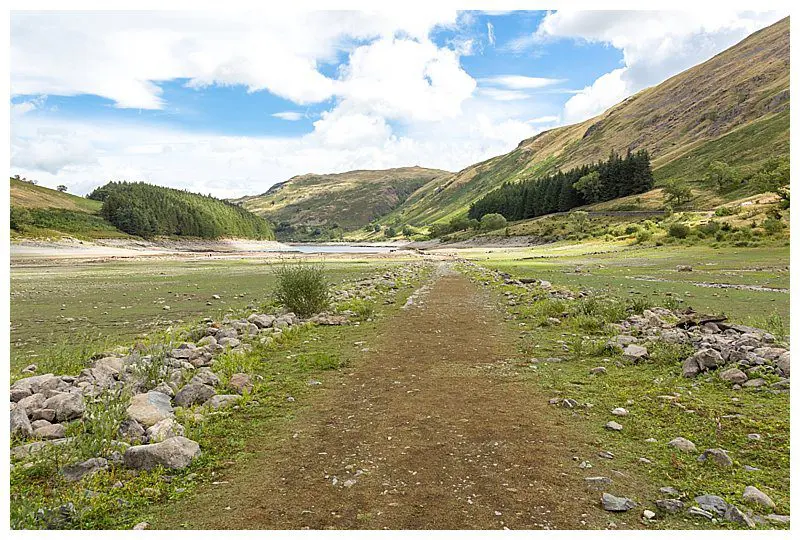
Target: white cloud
[292,116]
[122,55]
[500,94]
[490,34]
[605,92]
[655,46]
[520,82]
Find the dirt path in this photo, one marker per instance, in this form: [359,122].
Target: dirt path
[431,431]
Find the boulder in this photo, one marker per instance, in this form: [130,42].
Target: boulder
[612,503]
[241,382]
[684,445]
[222,401]
[20,425]
[613,426]
[43,414]
[717,456]
[76,471]
[131,431]
[205,376]
[38,384]
[149,408]
[708,358]
[734,515]
[782,364]
[193,394]
[67,406]
[261,320]
[173,453]
[50,431]
[712,503]
[634,353]
[733,375]
[754,495]
[27,450]
[32,402]
[164,429]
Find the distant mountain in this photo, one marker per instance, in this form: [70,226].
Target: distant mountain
[317,204]
[732,108]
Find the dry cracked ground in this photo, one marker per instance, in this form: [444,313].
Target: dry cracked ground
[430,431]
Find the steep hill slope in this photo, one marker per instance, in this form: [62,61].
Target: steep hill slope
[734,107]
[337,201]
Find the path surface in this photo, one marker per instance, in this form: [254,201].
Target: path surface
[445,434]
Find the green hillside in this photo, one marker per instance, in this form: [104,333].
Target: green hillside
[148,211]
[321,206]
[733,108]
[124,210]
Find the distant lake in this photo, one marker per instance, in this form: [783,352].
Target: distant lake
[338,248]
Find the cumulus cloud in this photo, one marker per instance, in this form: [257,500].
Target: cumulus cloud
[655,46]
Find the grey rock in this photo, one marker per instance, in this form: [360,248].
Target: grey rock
[612,503]
[222,401]
[648,514]
[707,358]
[231,342]
[143,525]
[193,394]
[174,453]
[261,320]
[777,518]
[606,454]
[716,455]
[619,411]
[43,414]
[754,495]
[733,375]
[669,490]
[50,431]
[149,408]
[35,424]
[67,406]
[241,382]
[712,503]
[734,515]
[164,429]
[782,363]
[600,370]
[682,444]
[613,426]
[20,425]
[38,384]
[671,506]
[32,402]
[205,376]
[634,353]
[695,511]
[132,431]
[91,466]
[597,480]
[754,383]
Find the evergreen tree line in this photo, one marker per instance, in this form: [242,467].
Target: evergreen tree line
[560,192]
[146,210]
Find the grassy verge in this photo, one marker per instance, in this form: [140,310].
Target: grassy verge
[704,410]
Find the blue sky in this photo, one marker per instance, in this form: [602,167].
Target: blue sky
[230,105]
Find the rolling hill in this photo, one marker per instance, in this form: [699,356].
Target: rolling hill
[733,107]
[122,210]
[318,204]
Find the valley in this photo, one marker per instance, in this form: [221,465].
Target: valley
[591,331]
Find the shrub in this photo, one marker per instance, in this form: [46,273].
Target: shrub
[492,222]
[772,225]
[678,230]
[644,236]
[723,211]
[20,217]
[709,228]
[302,288]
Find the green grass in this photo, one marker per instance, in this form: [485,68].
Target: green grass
[702,414]
[58,222]
[280,369]
[622,270]
[59,312]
